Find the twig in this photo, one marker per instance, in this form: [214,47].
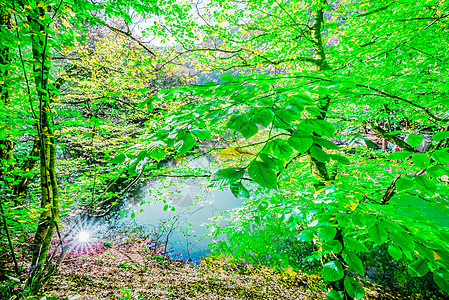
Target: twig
[123,192]
[390,191]
[16,266]
[130,37]
[405,42]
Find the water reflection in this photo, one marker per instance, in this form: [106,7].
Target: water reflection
[191,204]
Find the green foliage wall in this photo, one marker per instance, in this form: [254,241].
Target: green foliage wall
[374,64]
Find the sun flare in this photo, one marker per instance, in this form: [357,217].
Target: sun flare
[83,236]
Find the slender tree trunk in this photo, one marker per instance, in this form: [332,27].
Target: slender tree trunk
[324,104]
[320,56]
[46,139]
[6,143]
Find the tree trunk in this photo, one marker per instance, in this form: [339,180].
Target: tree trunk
[324,104]
[46,139]
[6,143]
[321,62]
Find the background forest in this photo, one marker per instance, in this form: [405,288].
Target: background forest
[328,119]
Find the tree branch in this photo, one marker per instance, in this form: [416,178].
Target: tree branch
[127,34]
[406,41]
[426,110]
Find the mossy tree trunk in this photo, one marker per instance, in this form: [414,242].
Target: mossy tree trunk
[6,143]
[49,189]
[325,102]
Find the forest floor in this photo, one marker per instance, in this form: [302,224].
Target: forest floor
[134,271]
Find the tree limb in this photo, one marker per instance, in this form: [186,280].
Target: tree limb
[127,34]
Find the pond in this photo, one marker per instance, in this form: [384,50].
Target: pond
[192,205]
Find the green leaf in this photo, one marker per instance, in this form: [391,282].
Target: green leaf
[227,78]
[421,160]
[425,252]
[296,105]
[150,106]
[302,97]
[396,132]
[201,134]
[441,156]
[353,262]
[399,155]
[305,235]
[348,84]
[263,117]
[332,245]
[325,143]
[281,149]
[327,233]
[334,295]
[300,144]
[369,143]
[439,136]
[284,118]
[395,252]
[239,190]
[262,174]
[426,183]
[323,91]
[378,234]
[137,164]
[235,121]
[319,154]
[404,183]
[355,245]
[273,163]
[320,127]
[360,220]
[353,288]
[155,151]
[185,142]
[332,271]
[340,158]
[244,125]
[248,129]
[343,219]
[419,268]
[142,104]
[263,205]
[435,171]
[228,175]
[402,240]
[118,159]
[441,279]
[414,139]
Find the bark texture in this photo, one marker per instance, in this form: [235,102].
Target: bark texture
[6,142]
[323,65]
[46,142]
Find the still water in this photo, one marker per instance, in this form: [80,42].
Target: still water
[192,205]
